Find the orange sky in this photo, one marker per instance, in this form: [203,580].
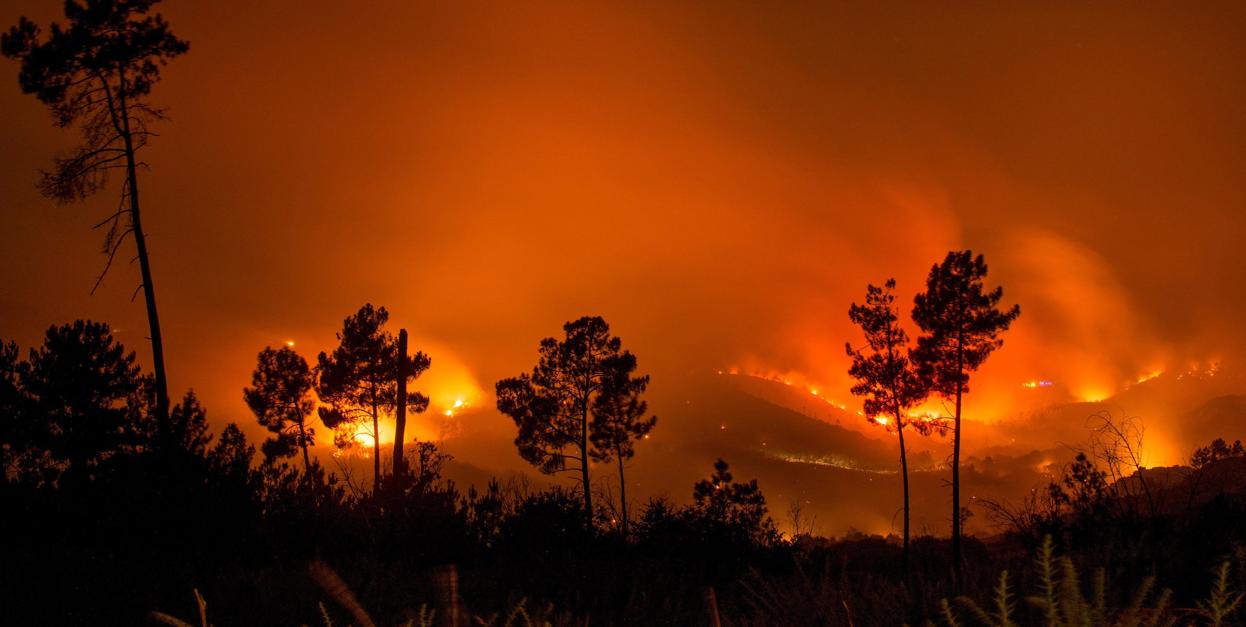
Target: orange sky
[719,180]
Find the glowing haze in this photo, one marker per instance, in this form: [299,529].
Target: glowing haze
[720,181]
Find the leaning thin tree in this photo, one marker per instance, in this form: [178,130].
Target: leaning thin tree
[885,377]
[97,73]
[961,323]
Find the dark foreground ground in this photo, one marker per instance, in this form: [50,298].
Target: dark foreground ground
[269,546]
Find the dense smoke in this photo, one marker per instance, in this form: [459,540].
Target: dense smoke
[719,187]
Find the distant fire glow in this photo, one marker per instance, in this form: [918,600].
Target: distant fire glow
[458,403]
[366,440]
[718,181]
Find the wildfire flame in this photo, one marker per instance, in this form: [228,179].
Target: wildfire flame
[365,439]
[932,416]
[455,406]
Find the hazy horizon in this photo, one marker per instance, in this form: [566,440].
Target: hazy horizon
[719,185]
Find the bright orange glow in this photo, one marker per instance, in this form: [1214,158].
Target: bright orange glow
[424,427]
[452,389]
[363,434]
[719,181]
[454,407]
[1158,449]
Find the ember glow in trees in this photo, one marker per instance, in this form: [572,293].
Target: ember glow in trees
[96,74]
[961,324]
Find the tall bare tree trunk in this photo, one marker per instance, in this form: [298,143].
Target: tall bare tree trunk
[904,471]
[400,416]
[303,444]
[588,491]
[904,459]
[956,522]
[376,448]
[622,493]
[144,265]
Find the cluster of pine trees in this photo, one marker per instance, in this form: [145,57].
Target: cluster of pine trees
[961,323]
[131,518]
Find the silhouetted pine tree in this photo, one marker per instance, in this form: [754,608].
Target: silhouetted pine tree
[14,435]
[188,424]
[552,407]
[740,506]
[81,385]
[1218,450]
[231,456]
[961,323]
[885,378]
[358,379]
[96,73]
[619,421]
[280,397]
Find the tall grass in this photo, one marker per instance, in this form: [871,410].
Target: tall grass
[1062,601]
[333,585]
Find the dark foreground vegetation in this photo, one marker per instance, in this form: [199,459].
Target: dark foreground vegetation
[104,525]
